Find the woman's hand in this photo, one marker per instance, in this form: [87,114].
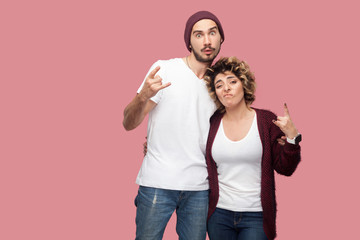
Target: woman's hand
[285,124]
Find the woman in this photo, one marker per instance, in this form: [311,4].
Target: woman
[242,153]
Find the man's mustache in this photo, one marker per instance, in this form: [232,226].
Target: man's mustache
[207,48]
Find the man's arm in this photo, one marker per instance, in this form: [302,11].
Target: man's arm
[141,105]
[136,111]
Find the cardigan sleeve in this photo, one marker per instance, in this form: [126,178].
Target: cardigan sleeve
[211,165]
[285,158]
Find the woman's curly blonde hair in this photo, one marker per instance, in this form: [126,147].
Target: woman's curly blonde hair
[240,69]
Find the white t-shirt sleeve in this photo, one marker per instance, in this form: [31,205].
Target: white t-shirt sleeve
[157,97]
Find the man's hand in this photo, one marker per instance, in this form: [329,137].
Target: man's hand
[285,124]
[141,105]
[152,85]
[281,140]
[145,147]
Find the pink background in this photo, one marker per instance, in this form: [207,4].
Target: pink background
[69,68]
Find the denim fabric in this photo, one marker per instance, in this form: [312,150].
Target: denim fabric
[155,207]
[228,225]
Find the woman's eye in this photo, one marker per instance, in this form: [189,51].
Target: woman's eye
[198,35]
[212,33]
[218,86]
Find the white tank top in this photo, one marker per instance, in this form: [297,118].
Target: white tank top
[239,169]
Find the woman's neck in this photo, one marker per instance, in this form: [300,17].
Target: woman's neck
[238,113]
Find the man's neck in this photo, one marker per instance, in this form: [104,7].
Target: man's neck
[199,68]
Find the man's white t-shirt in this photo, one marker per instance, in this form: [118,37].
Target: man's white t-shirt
[177,131]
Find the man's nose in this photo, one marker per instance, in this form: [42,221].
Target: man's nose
[207,41]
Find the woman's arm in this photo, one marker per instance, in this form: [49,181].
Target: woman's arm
[286,157]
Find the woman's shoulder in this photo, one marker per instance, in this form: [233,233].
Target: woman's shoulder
[216,116]
[265,114]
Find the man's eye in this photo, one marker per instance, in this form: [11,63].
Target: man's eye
[218,86]
[212,33]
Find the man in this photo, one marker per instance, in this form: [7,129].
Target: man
[173,175]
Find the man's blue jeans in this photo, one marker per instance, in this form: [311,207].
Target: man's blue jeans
[228,225]
[155,207]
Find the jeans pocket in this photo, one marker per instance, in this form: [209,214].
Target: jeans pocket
[136,200]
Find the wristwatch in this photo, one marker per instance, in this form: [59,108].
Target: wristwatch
[295,140]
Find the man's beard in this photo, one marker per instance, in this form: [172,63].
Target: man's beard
[199,58]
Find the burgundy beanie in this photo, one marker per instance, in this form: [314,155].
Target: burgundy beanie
[194,19]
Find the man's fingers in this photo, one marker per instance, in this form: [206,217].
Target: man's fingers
[157,79]
[158,86]
[165,85]
[153,72]
[281,141]
[145,147]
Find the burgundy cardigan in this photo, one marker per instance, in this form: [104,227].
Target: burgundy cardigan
[282,159]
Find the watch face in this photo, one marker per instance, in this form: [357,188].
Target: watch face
[298,139]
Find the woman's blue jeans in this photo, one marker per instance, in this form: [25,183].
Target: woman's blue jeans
[228,225]
[155,207]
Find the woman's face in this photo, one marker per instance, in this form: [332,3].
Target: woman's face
[229,89]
